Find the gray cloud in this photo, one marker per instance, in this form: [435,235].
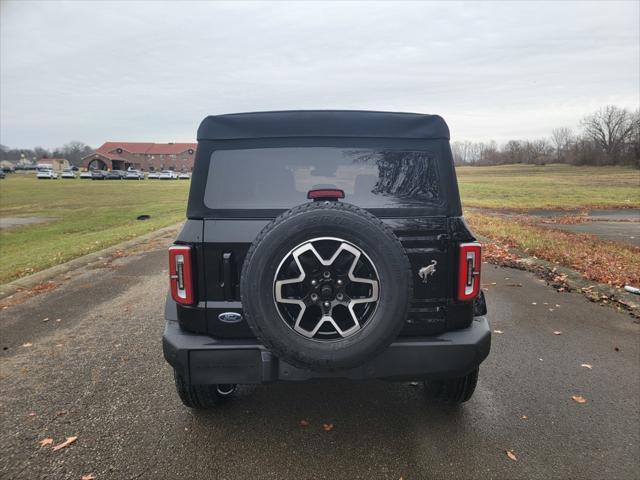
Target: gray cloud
[146,71]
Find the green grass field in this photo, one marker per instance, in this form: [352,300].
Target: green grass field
[549,186]
[87,216]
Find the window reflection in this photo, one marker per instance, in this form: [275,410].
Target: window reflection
[281,177]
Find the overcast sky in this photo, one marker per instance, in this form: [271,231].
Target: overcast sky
[151,71]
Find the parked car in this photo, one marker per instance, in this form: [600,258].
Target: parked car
[184,176]
[46,174]
[85,175]
[98,174]
[68,173]
[115,175]
[134,175]
[168,175]
[153,175]
[2,174]
[324,244]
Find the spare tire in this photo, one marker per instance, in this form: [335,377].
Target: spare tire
[326,286]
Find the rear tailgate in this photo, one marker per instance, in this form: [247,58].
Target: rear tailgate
[427,242]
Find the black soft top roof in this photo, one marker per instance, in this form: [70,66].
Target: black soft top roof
[323,123]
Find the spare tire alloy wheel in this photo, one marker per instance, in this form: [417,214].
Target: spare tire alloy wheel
[326,286]
[326,292]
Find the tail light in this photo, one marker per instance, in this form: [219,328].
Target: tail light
[469,271]
[181,274]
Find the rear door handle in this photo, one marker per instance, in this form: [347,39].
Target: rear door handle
[226,275]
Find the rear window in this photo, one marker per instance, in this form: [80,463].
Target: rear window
[279,178]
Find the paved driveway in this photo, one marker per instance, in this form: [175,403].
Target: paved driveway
[98,374]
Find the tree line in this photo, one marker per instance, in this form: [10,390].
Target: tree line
[609,136]
[72,151]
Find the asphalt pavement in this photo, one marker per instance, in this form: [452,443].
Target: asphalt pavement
[94,370]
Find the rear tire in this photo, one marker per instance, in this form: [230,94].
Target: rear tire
[201,397]
[452,390]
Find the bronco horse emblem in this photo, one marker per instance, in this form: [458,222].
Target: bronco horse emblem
[427,271]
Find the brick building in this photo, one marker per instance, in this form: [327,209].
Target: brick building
[144,156]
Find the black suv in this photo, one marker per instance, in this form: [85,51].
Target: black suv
[323,244]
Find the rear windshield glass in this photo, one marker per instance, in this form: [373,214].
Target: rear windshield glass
[275,178]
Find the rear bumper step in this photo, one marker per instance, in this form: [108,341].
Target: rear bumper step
[205,360]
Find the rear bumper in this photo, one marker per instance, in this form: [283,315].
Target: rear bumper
[206,360]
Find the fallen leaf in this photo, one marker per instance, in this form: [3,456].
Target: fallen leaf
[498,332]
[27,344]
[46,441]
[557,332]
[88,476]
[586,365]
[579,399]
[45,319]
[511,455]
[58,344]
[32,414]
[524,417]
[533,303]
[551,309]
[327,427]
[66,443]
[58,319]
[303,423]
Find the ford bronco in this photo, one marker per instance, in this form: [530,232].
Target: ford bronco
[324,244]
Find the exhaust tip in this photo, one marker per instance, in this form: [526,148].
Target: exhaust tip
[226,389]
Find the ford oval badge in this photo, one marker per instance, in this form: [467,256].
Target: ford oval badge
[230,317]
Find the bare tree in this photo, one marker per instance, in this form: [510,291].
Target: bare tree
[74,152]
[514,151]
[634,143]
[611,128]
[462,152]
[562,139]
[40,152]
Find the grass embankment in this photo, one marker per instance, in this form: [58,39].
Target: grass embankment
[526,187]
[86,216]
[606,262]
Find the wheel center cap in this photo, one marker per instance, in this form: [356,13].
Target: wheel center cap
[326,292]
